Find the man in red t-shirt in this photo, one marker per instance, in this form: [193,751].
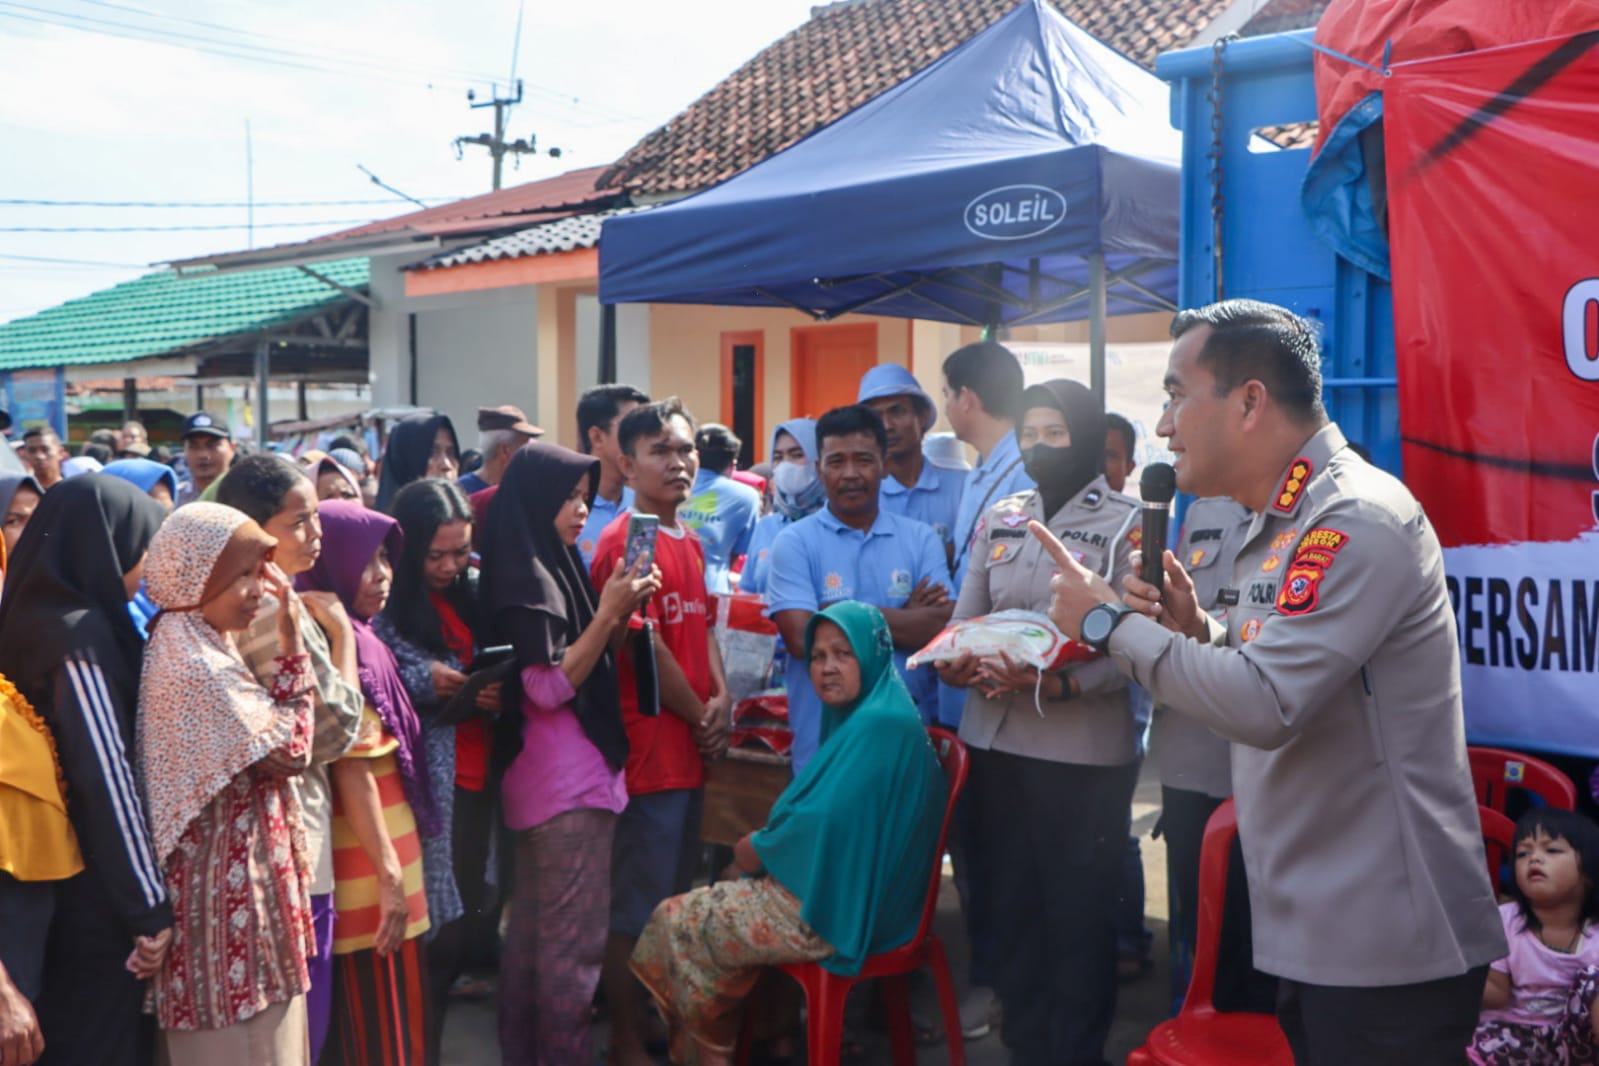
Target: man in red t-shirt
[657,844]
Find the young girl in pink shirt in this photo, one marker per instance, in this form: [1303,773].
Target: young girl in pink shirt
[1538,1002]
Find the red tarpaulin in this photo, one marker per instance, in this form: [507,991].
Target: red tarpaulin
[1493,183]
[1356,38]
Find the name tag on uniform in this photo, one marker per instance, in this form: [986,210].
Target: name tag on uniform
[1227,597]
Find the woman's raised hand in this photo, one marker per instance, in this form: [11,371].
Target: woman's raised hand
[327,610]
[276,582]
[623,593]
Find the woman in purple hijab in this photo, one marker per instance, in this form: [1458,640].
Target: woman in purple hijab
[380,799]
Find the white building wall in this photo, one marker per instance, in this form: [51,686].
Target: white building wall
[476,350]
[388,334]
[632,344]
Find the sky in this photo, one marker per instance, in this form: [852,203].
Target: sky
[122,102]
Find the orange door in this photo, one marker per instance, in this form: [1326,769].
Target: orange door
[827,363]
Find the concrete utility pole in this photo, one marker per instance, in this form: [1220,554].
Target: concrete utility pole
[495,142]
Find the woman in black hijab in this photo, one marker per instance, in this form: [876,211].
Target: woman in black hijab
[420,446]
[69,645]
[19,498]
[1063,741]
[563,788]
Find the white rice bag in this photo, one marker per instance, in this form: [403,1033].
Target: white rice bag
[1024,636]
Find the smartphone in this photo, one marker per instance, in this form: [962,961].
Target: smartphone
[641,532]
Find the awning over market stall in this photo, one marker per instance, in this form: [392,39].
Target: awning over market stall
[1026,176]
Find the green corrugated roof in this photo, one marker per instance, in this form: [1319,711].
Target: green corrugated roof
[160,314]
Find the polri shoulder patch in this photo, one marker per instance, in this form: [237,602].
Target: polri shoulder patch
[1294,482]
[1301,588]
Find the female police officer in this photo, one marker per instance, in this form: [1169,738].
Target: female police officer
[1052,757]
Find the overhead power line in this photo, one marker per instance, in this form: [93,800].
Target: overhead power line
[331,61]
[182,229]
[200,204]
[71,262]
[256,53]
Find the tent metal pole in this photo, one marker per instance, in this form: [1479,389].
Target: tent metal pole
[1096,325]
[263,361]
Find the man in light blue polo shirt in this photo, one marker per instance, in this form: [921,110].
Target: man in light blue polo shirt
[720,511]
[915,487]
[598,411]
[983,385]
[853,549]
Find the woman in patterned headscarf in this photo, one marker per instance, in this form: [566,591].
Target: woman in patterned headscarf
[381,799]
[217,750]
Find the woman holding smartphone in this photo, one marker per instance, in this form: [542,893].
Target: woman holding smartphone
[429,623]
[563,788]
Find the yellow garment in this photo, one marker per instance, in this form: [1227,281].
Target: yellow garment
[37,842]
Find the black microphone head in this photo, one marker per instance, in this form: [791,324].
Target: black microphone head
[1158,483]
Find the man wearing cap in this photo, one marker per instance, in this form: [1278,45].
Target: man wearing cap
[915,487]
[208,451]
[501,431]
[133,441]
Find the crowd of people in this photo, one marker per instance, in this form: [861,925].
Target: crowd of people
[295,749]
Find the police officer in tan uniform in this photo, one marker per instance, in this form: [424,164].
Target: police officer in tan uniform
[1052,756]
[1337,678]
[1196,776]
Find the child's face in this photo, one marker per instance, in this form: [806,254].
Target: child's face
[1547,870]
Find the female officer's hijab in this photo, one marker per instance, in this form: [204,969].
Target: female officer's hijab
[1061,473]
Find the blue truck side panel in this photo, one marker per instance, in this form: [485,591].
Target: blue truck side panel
[1268,250]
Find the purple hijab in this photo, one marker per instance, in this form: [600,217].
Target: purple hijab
[351,535]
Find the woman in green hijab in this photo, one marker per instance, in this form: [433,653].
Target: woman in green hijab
[841,869]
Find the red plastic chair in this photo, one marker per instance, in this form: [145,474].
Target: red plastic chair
[1201,1035]
[1495,772]
[825,991]
[1498,839]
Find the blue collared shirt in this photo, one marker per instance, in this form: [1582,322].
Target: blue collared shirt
[934,499]
[999,474]
[819,560]
[722,513]
[471,482]
[602,512]
[757,560]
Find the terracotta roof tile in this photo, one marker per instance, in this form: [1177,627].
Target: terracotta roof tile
[847,53]
[1279,16]
[529,202]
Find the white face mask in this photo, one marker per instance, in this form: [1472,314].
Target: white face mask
[797,489]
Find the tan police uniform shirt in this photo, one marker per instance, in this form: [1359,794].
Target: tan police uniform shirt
[1188,755]
[1338,681]
[1010,570]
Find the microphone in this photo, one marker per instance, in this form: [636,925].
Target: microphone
[1157,486]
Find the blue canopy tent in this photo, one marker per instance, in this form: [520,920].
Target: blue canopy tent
[1029,175]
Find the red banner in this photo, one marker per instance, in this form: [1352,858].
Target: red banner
[1493,180]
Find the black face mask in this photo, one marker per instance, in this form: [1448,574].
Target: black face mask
[1059,473]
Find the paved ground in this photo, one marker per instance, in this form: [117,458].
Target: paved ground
[469,1034]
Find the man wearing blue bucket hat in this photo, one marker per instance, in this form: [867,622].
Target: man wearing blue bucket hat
[915,487]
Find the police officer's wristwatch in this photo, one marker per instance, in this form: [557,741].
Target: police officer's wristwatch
[1101,621]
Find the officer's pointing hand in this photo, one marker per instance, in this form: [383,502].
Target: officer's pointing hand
[1076,588]
[1174,606]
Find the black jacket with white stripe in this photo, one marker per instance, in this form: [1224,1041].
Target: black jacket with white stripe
[90,711]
